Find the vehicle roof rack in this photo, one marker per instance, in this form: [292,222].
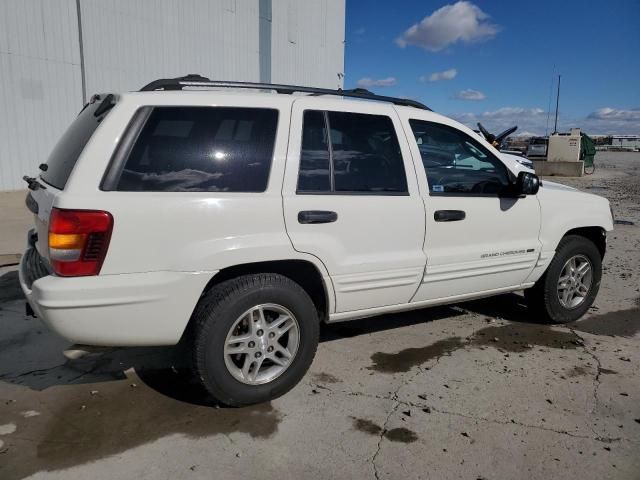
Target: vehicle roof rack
[194,80]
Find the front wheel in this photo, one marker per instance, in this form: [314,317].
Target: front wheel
[255,337]
[570,285]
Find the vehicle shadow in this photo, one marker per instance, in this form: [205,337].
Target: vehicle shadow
[34,356]
[509,306]
[10,287]
[353,328]
[31,355]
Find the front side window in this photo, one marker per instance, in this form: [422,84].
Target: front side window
[202,149]
[455,163]
[345,152]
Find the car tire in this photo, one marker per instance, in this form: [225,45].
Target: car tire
[547,300]
[246,299]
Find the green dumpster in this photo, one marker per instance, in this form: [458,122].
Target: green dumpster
[587,151]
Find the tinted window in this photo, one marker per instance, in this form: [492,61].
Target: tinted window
[314,173]
[202,149]
[366,154]
[362,153]
[65,154]
[456,163]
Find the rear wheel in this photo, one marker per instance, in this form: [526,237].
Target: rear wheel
[570,285]
[255,336]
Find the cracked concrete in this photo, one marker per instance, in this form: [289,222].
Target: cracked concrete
[476,390]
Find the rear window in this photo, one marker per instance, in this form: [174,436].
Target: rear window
[66,152]
[202,149]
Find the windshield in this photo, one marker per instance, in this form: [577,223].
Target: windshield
[64,155]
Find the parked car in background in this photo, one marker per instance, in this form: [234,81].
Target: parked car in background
[537,147]
[238,222]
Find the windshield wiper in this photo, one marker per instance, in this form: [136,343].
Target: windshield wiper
[33,183]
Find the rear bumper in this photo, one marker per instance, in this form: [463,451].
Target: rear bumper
[137,309]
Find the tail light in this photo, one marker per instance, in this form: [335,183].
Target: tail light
[78,241]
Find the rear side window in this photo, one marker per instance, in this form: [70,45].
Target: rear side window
[359,154]
[65,154]
[202,149]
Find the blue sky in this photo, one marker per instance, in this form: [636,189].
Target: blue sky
[494,61]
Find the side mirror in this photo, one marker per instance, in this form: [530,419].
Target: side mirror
[527,184]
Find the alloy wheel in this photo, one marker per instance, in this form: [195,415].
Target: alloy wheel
[261,344]
[575,281]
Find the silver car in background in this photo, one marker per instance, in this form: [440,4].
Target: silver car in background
[537,147]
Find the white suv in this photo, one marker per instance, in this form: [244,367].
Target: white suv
[239,220]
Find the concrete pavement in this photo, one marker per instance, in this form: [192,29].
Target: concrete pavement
[15,221]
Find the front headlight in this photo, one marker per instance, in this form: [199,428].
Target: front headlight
[525,162]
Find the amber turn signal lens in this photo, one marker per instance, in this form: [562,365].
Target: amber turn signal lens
[66,240]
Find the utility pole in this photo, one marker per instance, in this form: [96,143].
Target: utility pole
[555,127]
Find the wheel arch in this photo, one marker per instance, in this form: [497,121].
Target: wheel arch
[304,272]
[595,234]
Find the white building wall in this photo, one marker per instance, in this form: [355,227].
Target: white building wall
[128,43]
[40,82]
[308,42]
[628,141]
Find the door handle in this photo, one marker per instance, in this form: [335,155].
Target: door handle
[448,215]
[317,216]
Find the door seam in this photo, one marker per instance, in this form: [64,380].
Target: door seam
[284,218]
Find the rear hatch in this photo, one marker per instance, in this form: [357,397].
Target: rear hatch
[56,171]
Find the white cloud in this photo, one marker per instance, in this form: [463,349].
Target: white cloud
[461,22]
[533,121]
[530,121]
[512,112]
[609,120]
[368,82]
[525,133]
[470,94]
[618,115]
[437,76]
